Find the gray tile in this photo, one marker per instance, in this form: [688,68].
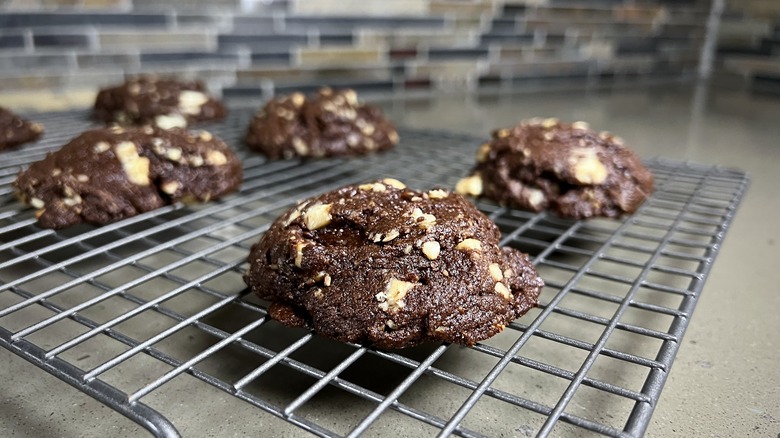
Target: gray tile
[28,61]
[440,53]
[503,25]
[99,60]
[192,19]
[47,19]
[302,23]
[187,57]
[186,5]
[496,37]
[336,39]
[262,41]
[271,58]
[11,41]
[242,91]
[253,24]
[513,9]
[61,40]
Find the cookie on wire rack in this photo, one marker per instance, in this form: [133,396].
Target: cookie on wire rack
[385,265]
[149,99]
[545,164]
[326,124]
[108,174]
[16,131]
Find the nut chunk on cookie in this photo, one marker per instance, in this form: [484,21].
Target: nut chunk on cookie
[166,103]
[15,130]
[543,164]
[105,175]
[329,123]
[382,264]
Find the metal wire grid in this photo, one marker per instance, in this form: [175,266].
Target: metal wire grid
[162,293]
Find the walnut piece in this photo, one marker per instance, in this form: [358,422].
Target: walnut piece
[317,216]
[471,185]
[216,158]
[392,234]
[535,197]
[376,187]
[170,187]
[191,101]
[393,136]
[300,146]
[495,272]
[392,299]
[423,220]
[502,290]
[101,147]
[299,253]
[431,249]
[37,203]
[394,183]
[483,152]
[135,166]
[588,169]
[173,154]
[170,121]
[580,125]
[469,245]
[351,97]
[297,99]
[437,194]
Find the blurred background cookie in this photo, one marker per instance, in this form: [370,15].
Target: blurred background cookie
[328,123]
[15,131]
[166,103]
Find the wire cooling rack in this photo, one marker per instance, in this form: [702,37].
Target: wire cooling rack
[121,311]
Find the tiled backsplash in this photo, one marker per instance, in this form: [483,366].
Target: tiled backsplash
[254,48]
[749,43]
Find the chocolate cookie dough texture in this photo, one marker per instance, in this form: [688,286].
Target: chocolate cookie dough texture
[382,264]
[328,123]
[15,131]
[163,102]
[544,164]
[105,175]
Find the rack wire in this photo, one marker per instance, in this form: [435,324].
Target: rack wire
[162,292]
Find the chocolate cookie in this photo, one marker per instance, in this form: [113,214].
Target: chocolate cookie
[382,264]
[566,168]
[329,123]
[105,175]
[15,130]
[164,102]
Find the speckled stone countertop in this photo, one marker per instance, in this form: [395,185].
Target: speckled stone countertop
[725,380]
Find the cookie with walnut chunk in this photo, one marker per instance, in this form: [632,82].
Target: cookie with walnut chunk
[328,123]
[166,103]
[105,175]
[566,168]
[385,265]
[15,130]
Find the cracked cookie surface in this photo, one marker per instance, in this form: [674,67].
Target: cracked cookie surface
[543,164]
[325,124]
[105,175]
[382,264]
